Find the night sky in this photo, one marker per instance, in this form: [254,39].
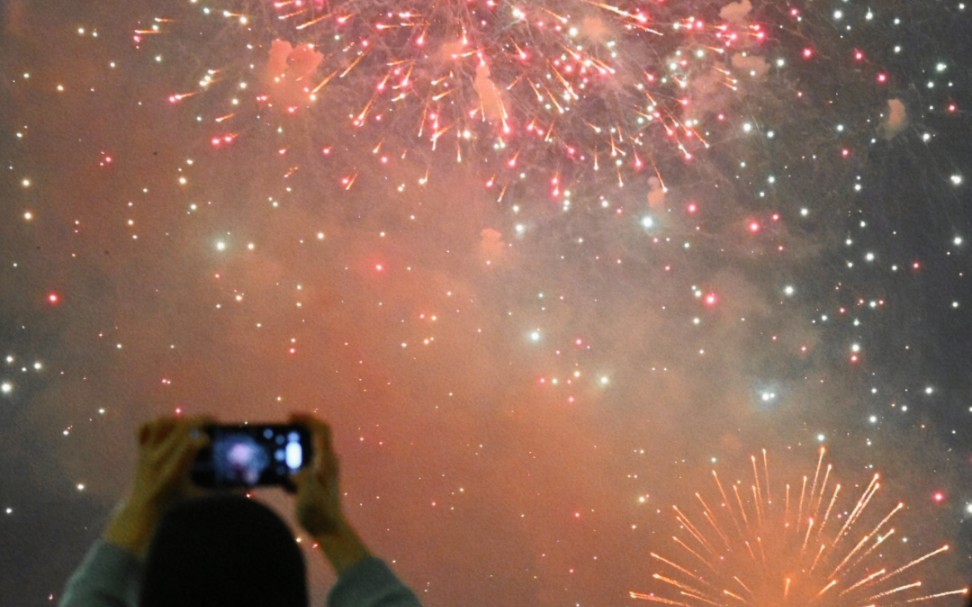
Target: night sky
[544,266]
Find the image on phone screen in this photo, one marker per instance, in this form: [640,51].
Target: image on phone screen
[251,455]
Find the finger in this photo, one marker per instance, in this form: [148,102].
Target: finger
[176,454]
[197,437]
[147,432]
[300,477]
[200,421]
[329,466]
[176,471]
[164,427]
[191,427]
[327,459]
[197,427]
[321,438]
[312,423]
[179,456]
[184,458]
[310,479]
[174,440]
[155,431]
[301,480]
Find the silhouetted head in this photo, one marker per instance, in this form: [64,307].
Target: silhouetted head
[223,550]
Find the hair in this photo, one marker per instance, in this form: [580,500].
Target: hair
[223,550]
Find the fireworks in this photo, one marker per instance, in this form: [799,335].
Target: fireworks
[645,226]
[536,91]
[801,544]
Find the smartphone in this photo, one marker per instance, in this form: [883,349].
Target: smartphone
[251,455]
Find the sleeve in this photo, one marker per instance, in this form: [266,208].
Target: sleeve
[370,583]
[109,576]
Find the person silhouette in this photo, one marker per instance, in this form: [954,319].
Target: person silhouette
[170,543]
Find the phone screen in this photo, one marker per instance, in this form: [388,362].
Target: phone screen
[251,455]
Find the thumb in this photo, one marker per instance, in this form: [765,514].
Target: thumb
[297,480]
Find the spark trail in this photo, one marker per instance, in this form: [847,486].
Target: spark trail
[801,546]
[548,92]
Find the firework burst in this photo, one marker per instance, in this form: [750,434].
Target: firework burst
[796,544]
[535,91]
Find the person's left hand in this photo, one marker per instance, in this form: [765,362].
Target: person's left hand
[167,448]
